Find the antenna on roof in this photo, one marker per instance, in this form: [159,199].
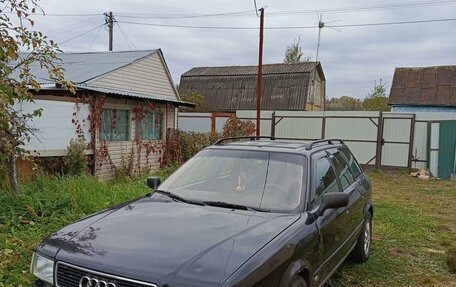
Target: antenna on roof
[321,25]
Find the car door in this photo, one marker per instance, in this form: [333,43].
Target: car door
[332,224]
[351,186]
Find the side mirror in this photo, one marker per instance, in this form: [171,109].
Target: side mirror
[153,182]
[332,200]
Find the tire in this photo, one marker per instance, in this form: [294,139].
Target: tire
[298,281]
[361,252]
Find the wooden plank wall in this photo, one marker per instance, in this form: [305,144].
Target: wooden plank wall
[25,170]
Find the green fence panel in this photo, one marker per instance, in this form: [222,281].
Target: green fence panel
[447,149]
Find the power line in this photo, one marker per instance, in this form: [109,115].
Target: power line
[94,39]
[393,23]
[62,14]
[66,41]
[348,9]
[69,28]
[179,16]
[288,27]
[127,39]
[366,8]
[209,27]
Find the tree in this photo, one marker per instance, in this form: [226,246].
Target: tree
[16,80]
[195,98]
[344,103]
[294,53]
[377,100]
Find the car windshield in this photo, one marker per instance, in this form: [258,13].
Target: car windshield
[258,179]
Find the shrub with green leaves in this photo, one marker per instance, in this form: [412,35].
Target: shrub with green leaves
[75,162]
[181,146]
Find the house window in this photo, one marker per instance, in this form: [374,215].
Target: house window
[116,125]
[150,127]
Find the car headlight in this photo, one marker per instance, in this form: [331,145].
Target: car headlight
[43,268]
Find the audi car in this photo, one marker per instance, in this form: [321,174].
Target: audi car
[248,211]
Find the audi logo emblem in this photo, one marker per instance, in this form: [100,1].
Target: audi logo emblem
[93,282]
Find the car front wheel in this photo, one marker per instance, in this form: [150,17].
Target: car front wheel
[298,281]
[362,249]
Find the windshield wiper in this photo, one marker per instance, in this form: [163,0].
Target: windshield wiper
[234,206]
[176,197]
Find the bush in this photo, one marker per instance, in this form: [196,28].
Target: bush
[124,171]
[75,162]
[195,98]
[164,173]
[181,146]
[235,127]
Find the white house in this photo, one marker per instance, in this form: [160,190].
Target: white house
[124,104]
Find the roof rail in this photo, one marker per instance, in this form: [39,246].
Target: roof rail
[252,138]
[329,141]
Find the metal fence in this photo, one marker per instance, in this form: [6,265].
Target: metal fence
[376,138]
[202,122]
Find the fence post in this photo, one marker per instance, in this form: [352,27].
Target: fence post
[213,122]
[323,127]
[273,123]
[378,153]
[411,141]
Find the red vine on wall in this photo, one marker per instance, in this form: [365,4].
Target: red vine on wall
[150,146]
[100,148]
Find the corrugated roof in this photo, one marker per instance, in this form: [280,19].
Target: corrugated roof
[424,86]
[268,69]
[82,67]
[285,86]
[133,95]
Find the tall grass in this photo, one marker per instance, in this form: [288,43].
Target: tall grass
[45,206]
[413,226]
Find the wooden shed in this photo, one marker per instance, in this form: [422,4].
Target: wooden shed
[292,87]
[124,104]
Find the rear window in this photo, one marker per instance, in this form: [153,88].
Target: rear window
[353,164]
[342,168]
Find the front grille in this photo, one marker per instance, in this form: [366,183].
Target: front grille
[69,276]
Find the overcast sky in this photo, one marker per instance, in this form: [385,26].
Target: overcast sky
[352,57]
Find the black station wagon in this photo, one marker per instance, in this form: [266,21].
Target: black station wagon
[249,211]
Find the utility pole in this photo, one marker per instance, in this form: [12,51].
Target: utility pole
[260,73]
[111,28]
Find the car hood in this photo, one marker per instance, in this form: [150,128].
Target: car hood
[166,242]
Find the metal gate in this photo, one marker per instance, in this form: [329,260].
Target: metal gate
[396,144]
[447,149]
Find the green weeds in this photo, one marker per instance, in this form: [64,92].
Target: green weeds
[414,226]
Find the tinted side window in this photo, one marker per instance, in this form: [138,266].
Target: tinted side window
[354,166]
[325,180]
[342,169]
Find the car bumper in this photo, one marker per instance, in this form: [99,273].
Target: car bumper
[39,283]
